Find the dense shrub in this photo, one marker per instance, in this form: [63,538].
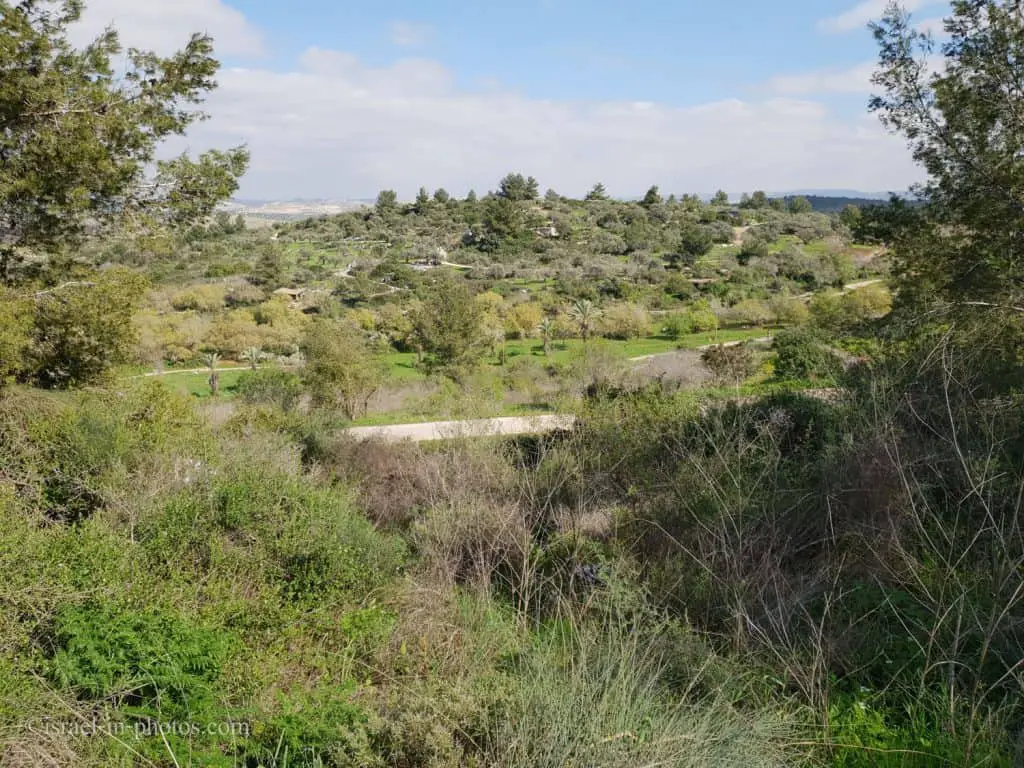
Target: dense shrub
[270,386]
[625,321]
[803,355]
[202,298]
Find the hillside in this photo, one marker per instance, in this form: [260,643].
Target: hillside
[509,480]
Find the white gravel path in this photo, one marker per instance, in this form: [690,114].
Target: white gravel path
[443,430]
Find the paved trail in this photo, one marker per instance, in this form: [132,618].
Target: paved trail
[444,430]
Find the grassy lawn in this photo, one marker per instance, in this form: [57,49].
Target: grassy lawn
[563,351]
[402,365]
[784,241]
[197,384]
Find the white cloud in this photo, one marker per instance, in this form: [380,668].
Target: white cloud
[411,34]
[864,12]
[854,80]
[335,128]
[165,25]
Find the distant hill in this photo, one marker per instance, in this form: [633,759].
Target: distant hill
[285,210]
[856,194]
[834,204]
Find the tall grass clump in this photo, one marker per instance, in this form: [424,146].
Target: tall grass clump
[603,691]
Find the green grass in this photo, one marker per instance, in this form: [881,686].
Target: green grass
[563,351]
[402,365]
[780,244]
[197,384]
[818,248]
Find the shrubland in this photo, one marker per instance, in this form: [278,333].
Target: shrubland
[818,563]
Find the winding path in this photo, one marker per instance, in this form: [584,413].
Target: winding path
[446,430]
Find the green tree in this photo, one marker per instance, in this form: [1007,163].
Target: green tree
[963,123]
[851,217]
[694,241]
[505,220]
[269,270]
[546,329]
[471,197]
[212,360]
[801,354]
[800,204]
[449,328]
[597,193]
[754,248]
[270,386]
[441,196]
[422,204]
[387,202]
[721,198]
[517,188]
[82,328]
[341,371]
[253,356]
[653,197]
[81,129]
[758,200]
[585,314]
[701,317]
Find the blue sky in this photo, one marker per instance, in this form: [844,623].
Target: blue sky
[679,53]
[338,100]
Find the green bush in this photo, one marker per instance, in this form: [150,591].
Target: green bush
[154,663]
[677,325]
[862,733]
[321,728]
[309,543]
[270,386]
[802,355]
[70,455]
[702,318]
[82,329]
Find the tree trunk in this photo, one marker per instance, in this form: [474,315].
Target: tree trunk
[214,384]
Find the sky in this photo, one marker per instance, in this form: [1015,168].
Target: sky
[338,100]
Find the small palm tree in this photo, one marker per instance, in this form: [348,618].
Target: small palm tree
[212,360]
[546,329]
[585,314]
[252,356]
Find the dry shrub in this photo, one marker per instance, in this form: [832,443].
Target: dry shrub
[38,749]
[397,482]
[394,480]
[470,543]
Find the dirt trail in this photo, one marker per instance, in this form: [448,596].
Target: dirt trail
[445,430]
[173,371]
[735,343]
